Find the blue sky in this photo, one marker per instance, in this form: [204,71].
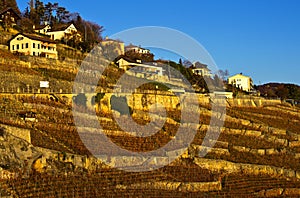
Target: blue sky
[260,38]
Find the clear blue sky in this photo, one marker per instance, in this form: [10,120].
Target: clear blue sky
[260,38]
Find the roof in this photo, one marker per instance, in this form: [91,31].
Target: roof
[134,46]
[240,75]
[39,27]
[125,58]
[11,9]
[200,65]
[131,45]
[61,27]
[112,40]
[34,37]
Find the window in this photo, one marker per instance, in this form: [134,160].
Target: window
[33,53]
[26,45]
[38,46]
[18,46]
[33,45]
[13,47]
[20,38]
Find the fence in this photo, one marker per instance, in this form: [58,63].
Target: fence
[22,90]
[14,90]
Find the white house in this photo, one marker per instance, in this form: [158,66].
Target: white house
[200,69]
[138,68]
[137,49]
[118,46]
[42,29]
[240,81]
[33,45]
[67,31]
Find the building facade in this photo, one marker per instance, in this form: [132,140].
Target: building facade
[138,68]
[117,46]
[64,31]
[200,69]
[136,49]
[33,45]
[242,82]
[42,29]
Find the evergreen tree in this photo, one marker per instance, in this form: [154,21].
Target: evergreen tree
[180,61]
[48,15]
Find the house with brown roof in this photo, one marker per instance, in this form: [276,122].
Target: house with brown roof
[66,31]
[42,29]
[117,45]
[9,17]
[200,69]
[136,49]
[33,45]
[138,68]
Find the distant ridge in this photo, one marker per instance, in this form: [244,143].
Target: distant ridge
[280,90]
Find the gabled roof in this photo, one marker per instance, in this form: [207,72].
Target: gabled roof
[34,37]
[40,27]
[113,40]
[240,75]
[61,27]
[134,46]
[131,45]
[125,58]
[10,9]
[200,65]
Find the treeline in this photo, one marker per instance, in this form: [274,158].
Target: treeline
[280,90]
[38,13]
[9,3]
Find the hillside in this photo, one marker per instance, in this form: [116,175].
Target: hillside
[50,144]
[257,153]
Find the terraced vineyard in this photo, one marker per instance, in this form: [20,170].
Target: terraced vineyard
[257,154]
